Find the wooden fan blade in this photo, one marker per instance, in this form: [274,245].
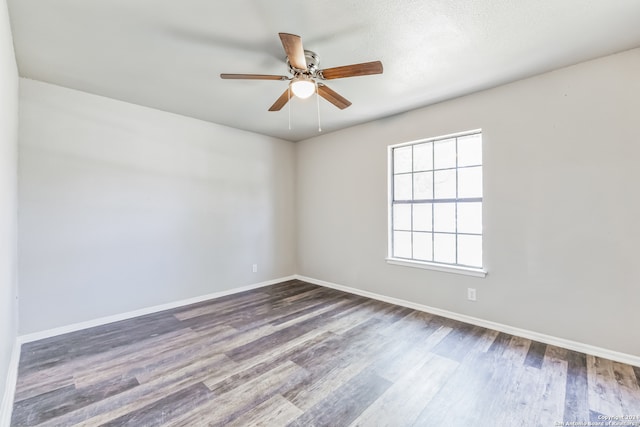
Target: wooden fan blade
[333,97]
[293,47]
[363,69]
[282,101]
[253,77]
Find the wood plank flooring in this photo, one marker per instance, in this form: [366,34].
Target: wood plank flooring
[295,354]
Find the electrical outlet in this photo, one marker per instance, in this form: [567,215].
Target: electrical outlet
[471,294]
[255,268]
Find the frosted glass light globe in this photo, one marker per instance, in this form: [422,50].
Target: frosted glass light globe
[303,88]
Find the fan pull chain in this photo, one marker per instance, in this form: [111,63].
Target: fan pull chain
[289,106]
[318,105]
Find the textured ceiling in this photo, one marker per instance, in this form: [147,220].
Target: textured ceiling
[169,54]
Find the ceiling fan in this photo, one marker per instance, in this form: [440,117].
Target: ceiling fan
[303,66]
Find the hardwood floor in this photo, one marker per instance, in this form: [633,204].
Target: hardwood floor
[301,355]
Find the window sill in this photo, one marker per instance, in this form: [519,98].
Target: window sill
[467,271]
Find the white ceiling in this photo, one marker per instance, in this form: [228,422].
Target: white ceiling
[169,54]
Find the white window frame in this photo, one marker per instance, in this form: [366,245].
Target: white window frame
[449,268]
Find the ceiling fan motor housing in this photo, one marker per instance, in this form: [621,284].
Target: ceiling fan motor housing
[312,60]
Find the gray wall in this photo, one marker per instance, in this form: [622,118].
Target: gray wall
[8,197]
[561,210]
[124,207]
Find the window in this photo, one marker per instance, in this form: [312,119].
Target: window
[435,207]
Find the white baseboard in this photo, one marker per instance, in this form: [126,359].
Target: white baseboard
[6,406]
[536,336]
[143,311]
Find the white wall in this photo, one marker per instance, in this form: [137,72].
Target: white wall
[561,206]
[8,197]
[124,207]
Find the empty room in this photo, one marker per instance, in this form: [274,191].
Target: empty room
[340,213]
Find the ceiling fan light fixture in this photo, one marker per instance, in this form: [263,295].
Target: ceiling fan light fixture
[303,87]
[305,75]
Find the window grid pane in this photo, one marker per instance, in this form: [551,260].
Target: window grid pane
[436,212]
